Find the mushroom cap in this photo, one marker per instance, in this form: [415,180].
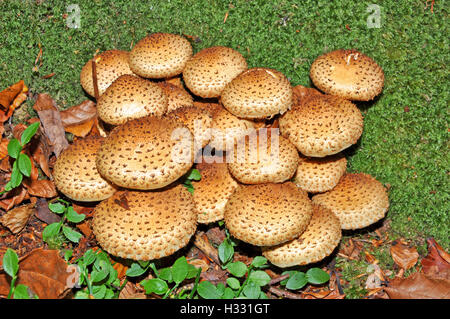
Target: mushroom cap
[258,93]
[75,173]
[358,200]
[208,72]
[176,96]
[267,214]
[146,153]
[109,65]
[197,120]
[263,157]
[130,97]
[349,74]
[213,190]
[160,55]
[319,240]
[317,175]
[301,92]
[157,223]
[227,129]
[322,125]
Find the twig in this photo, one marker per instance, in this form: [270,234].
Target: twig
[278,279]
[284,293]
[201,242]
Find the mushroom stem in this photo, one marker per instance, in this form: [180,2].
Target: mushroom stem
[94,79]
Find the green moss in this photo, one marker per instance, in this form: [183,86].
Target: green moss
[404,149]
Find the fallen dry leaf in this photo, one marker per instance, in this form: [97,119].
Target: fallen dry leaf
[79,119]
[418,286]
[130,291]
[11,98]
[15,197]
[4,148]
[44,272]
[404,256]
[41,188]
[436,264]
[17,218]
[50,118]
[44,213]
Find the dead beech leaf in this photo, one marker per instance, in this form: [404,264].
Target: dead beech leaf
[41,188]
[436,264]
[44,213]
[17,218]
[11,98]
[44,272]
[50,118]
[4,148]
[79,119]
[403,256]
[199,263]
[418,286]
[131,292]
[17,195]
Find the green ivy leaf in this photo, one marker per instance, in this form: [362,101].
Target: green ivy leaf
[194,175]
[99,292]
[57,208]
[296,281]
[135,270]
[233,283]
[166,274]
[29,133]
[317,276]
[21,292]
[89,257]
[228,293]
[155,285]
[10,262]
[24,164]
[180,270]
[14,148]
[237,269]
[71,234]
[97,276]
[251,290]
[51,231]
[226,251]
[16,176]
[259,261]
[207,290]
[73,216]
[259,277]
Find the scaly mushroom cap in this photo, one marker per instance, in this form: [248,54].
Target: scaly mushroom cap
[214,189]
[109,66]
[208,72]
[75,173]
[322,125]
[130,97]
[227,129]
[145,225]
[267,214]
[160,55]
[320,238]
[349,74]
[301,92]
[176,96]
[358,200]
[258,93]
[197,120]
[264,157]
[146,153]
[317,175]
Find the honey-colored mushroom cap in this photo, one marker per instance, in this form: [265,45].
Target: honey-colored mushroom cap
[176,96]
[75,173]
[160,55]
[349,74]
[258,93]
[213,190]
[322,125]
[267,214]
[109,65]
[358,200]
[208,72]
[317,175]
[320,238]
[130,97]
[146,153]
[263,157]
[145,225]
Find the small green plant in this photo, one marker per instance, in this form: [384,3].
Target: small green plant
[98,278]
[192,175]
[168,279]
[52,233]
[11,267]
[22,163]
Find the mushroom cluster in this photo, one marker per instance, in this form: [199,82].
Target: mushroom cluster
[270,155]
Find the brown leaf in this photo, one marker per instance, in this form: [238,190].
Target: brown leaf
[40,152]
[41,188]
[11,98]
[79,119]
[17,196]
[404,256]
[436,264]
[17,218]
[418,286]
[44,213]
[51,122]
[4,148]
[44,272]
[131,292]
